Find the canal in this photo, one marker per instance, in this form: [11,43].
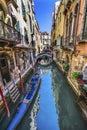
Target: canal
[54,107]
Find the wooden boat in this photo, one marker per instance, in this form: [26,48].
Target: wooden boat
[24,106]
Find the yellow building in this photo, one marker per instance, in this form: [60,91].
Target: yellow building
[58,29]
[53,31]
[37,37]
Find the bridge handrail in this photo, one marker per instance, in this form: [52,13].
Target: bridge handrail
[44,53]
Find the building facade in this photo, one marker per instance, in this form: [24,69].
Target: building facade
[17,45]
[45,41]
[37,38]
[72,54]
[58,28]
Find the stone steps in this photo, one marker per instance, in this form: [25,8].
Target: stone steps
[14,93]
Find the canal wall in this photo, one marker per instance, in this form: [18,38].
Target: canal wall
[75,87]
[25,75]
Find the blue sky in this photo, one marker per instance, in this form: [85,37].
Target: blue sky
[43,12]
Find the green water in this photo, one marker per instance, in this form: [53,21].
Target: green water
[55,106]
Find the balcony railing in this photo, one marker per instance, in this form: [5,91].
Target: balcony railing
[8,33]
[84,36]
[68,42]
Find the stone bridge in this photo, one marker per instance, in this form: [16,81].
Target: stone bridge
[45,53]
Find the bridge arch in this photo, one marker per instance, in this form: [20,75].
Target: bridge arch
[43,54]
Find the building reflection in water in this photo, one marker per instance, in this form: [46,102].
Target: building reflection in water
[36,107]
[34,113]
[45,70]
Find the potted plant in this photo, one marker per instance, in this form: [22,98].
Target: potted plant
[66,67]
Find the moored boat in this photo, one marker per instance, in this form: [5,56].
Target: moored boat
[24,105]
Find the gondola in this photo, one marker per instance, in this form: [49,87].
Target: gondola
[25,104]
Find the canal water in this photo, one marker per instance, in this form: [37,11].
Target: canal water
[54,107]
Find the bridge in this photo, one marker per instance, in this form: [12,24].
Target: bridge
[45,53]
[45,57]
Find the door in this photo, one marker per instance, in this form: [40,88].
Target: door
[4,70]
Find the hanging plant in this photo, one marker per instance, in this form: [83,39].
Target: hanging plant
[66,67]
[75,75]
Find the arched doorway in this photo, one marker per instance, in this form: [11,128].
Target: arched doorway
[4,68]
[84,70]
[67,59]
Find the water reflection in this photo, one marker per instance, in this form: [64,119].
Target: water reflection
[45,71]
[70,117]
[29,120]
[54,107]
[33,114]
[47,118]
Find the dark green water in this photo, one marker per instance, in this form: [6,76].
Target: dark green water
[54,107]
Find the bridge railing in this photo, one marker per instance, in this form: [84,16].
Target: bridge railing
[44,54]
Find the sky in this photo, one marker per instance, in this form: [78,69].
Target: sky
[43,12]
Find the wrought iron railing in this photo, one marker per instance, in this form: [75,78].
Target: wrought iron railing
[9,33]
[84,35]
[68,42]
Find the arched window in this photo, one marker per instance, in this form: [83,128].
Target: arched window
[84,35]
[70,25]
[30,24]
[2,14]
[26,35]
[17,26]
[76,13]
[29,8]
[2,17]
[66,27]
[14,20]
[23,9]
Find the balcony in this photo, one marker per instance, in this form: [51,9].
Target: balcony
[8,34]
[14,2]
[82,38]
[68,43]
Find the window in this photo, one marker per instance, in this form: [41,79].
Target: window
[18,26]
[3,62]
[70,25]
[30,24]
[26,35]
[29,8]
[85,25]
[76,19]
[66,27]
[23,9]
[2,14]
